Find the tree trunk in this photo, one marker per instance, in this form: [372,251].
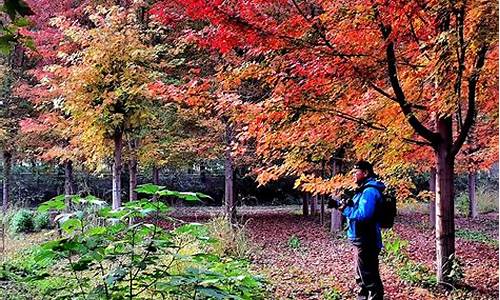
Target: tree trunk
[69,189]
[432,203]
[445,216]
[314,205]
[336,221]
[7,165]
[472,195]
[322,210]
[322,197]
[117,169]
[203,173]
[156,175]
[132,170]
[305,204]
[336,216]
[229,203]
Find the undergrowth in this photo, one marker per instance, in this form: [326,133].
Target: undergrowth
[409,271]
[117,254]
[476,236]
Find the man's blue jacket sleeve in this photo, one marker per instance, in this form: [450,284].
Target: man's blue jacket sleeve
[365,208]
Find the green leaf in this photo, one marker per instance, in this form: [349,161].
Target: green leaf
[108,213]
[115,275]
[56,203]
[45,254]
[191,228]
[30,43]
[73,246]
[213,292]
[52,245]
[95,201]
[82,264]
[71,225]
[201,195]
[149,188]
[188,196]
[22,22]
[6,44]
[61,218]
[200,257]
[79,214]
[98,230]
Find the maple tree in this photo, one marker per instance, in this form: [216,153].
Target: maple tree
[104,85]
[50,42]
[401,82]
[8,129]
[173,136]
[47,133]
[204,129]
[12,110]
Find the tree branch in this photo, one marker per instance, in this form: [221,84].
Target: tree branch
[471,111]
[366,123]
[460,52]
[322,35]
[406,107]
[417,142]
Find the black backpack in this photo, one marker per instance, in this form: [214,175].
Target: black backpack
[386,210]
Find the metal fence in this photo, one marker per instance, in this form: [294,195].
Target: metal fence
[28,189]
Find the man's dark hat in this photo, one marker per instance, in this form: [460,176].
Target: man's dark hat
[364,165]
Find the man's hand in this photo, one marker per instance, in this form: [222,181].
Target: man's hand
[342,204]
[333,203]
[339,204]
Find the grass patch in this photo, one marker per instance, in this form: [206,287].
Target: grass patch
[16,243]
[231,240]
[487,201]
[476,236]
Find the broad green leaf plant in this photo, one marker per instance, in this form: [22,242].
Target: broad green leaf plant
[122,254]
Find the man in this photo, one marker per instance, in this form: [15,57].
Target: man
[364,230]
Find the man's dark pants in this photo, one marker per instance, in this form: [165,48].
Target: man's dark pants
[367,273]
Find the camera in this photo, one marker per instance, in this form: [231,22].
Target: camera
[339,202]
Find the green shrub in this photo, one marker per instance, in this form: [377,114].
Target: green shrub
[416,274]
[22,221]
[25,275]
[41,220]
[136,260]
[457,272]
[462,204]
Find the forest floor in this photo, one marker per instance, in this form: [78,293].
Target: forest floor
[302,260]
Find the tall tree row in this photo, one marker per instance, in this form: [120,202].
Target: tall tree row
[405,84]
[402,83]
